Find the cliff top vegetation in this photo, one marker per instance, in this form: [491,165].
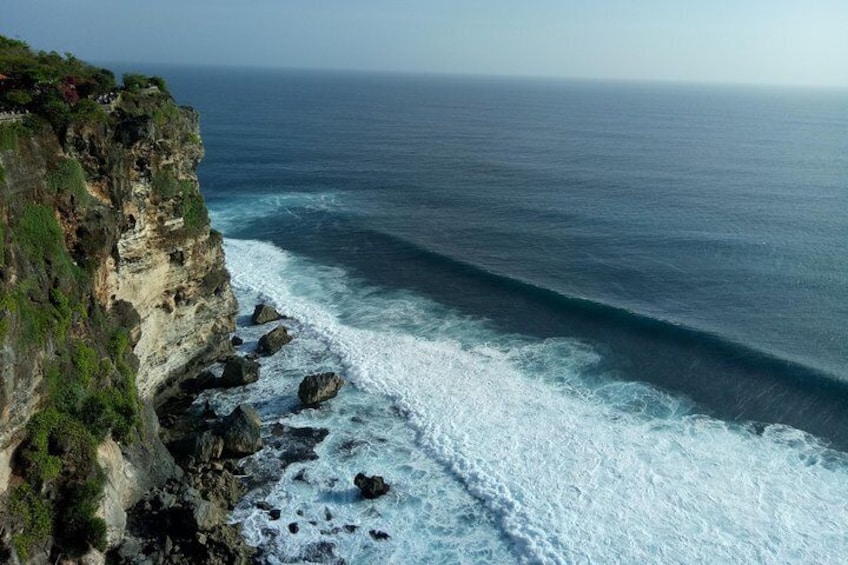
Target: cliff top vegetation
[61,88]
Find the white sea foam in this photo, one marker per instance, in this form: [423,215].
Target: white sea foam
[286,205]
[572,471]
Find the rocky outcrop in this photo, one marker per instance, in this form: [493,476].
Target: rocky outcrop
[239,371]
[185,523]
[371,487]
[240,431]
[173,274]
[316,389]
[263,314]
[273,341]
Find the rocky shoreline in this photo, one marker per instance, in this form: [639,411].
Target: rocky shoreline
[186,519]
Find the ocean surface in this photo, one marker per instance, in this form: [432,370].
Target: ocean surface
[580,322]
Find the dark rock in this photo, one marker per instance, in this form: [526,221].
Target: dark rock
[130,548]
[275,513]
[208,446]
[298,444]
[263,314]
[328,516]
[236,341]
[350,528]
[239,371]
[201,382]
[378,535]
[222,488]
[240,431]
[315,389]
[197,514]
[202,447]
[263,505]
[164,500]
[208,411]
[273,341]
[347,447]
[294,528]
[319,552]
[371,487]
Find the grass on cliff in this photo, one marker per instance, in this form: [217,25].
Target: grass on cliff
[89,378]
[9,136]
[68,177]
[35,518]
[192,208]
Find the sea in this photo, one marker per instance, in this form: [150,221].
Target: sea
[580,322]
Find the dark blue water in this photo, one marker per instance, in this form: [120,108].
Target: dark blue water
[560,307]
[694,235]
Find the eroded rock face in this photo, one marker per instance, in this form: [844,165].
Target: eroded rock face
[273,341]
[156,266]
[240,431]
[315,389]
[171,273]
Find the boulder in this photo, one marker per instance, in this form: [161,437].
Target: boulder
[263,314]
[272,341]
[201,382]
[207,446]
[239,371]
[319,552]
[236,341]
[371,487]
[240,431]
[202,447]
[297,444]
[315,389]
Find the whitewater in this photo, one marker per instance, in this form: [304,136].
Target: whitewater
[502,449]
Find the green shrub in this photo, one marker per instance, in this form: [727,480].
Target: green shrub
[2,233]
[40,466]
[88,112]
[77,526]
[86,363]
[40,236]
[32,515]
[38,232]
[134,81]
[195,216]
[35,321]
[68,176]
[9,137]
[166,185]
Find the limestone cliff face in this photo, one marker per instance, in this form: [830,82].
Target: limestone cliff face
[166,263]
[133,251]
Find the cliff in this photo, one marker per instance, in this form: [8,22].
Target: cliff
[113,290]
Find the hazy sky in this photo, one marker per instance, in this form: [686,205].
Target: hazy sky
[748,41]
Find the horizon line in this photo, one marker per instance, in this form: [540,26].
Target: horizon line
[478,75]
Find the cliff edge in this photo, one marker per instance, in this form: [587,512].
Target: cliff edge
[113,290]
